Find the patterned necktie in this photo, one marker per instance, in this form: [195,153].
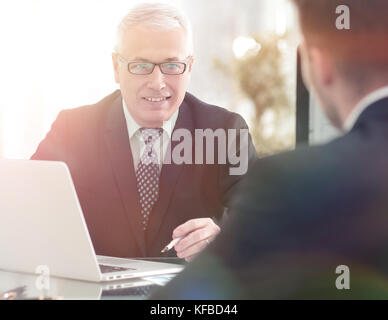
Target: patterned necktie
[147,174]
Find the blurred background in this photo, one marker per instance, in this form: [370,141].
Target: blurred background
[57,54]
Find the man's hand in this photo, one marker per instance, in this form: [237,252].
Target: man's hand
[197,234]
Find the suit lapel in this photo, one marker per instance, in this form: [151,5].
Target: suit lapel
[118,146]
[168,178]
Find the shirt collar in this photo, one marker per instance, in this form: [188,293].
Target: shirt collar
[363,104]
[133,126]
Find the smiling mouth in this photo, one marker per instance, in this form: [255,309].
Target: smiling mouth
[156,99]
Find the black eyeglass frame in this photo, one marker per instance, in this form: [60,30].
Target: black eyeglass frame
[185,63]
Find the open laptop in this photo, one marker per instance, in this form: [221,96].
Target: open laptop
[42,228]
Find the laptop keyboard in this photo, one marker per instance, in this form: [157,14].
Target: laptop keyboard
[106,269]
[142,292]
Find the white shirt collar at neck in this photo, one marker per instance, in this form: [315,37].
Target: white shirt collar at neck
[133,126]
[363,104]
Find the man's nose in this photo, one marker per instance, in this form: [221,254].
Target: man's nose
[156,79]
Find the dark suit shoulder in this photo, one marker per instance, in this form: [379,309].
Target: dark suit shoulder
[349,151]
[306,163]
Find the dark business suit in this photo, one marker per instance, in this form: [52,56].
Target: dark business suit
[298,216]
[93,141]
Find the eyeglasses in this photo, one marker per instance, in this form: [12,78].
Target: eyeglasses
[144,68]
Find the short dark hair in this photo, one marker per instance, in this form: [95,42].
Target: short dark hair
[368,34]
[361,49]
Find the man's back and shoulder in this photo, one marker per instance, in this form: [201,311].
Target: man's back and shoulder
[312,223]
[315,209]
[299,216]
[343,174]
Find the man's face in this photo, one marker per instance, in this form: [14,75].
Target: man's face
[152,45]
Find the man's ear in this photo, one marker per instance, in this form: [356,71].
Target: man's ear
[322,65]
[115,67]
[191,64]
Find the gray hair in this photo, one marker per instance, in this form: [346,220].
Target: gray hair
[157,15]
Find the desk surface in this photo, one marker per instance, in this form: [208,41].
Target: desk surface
[30,286]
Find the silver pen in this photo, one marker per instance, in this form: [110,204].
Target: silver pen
[171,244]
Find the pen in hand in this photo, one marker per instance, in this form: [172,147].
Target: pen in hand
[171,244]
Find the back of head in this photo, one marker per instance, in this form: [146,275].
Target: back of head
[155,15]
[359,50]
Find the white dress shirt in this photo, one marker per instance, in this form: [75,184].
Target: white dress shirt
[363,104]
[136,140]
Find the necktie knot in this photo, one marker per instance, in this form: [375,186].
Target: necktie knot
[150,135]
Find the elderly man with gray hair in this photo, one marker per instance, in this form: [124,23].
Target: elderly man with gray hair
[133,201]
